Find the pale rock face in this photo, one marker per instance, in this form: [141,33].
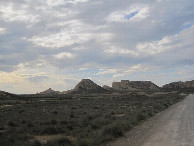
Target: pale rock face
[179,85]
[134,85]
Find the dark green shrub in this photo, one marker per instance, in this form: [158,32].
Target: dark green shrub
[113,131]
[72,115]
[11,124]
[141,117]
[85,142]
[50,130]
[69,127]
[63,122]
[36,143]
[60,142]
[55,112]
[30,125]
[54,122]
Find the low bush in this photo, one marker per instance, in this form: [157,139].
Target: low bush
[11,124]
[141,117]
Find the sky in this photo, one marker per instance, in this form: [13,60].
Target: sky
[56,43]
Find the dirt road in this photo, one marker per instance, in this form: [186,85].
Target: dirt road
[172,127]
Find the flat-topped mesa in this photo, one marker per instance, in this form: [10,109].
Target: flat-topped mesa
[123,85]
[179,85]
[86,85]
[49,91]
[134,85]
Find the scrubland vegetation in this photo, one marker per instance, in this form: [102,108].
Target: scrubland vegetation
[90,120]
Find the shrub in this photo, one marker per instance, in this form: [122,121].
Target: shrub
[53,122]
[85,142]
[63,122]
[11,124]
[60,142]
[69,127]
[112,131]
[72,115]
[50,130]
[36,143]
[55,112]
[141,117]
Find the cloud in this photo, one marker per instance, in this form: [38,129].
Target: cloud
[37,79]
[101,40]
[155,47]
[107,71]
[74,32]
[10,13]
[76,1]
[135,68]
[64,55]
[9,78]
[119,51]
[134,13]
[120,72]
[2,30]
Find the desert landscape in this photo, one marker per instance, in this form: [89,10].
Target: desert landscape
[87,115]
[96,73]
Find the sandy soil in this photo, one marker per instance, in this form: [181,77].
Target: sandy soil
[172,127]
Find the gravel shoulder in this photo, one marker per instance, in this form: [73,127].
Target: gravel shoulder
[171,127]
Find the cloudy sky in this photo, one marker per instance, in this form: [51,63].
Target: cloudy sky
[56,43]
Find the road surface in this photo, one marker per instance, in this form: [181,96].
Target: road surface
[172,127]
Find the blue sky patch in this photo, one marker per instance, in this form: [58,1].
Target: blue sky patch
[129,16]
[186,26]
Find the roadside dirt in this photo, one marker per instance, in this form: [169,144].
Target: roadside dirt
[172,127]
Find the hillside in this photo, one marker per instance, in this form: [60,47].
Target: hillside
[179,85]
[6,95]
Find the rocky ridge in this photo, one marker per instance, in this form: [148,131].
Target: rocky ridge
[179,85]
[134,85]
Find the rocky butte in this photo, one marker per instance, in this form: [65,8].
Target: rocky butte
[134,85]
[86,85]
[49,91]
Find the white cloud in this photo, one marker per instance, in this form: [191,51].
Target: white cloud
[154,47]
[61,39]
[2,30]
[54,3]
[74,32]
[10,13]
[167,43]
[119,51]
[119,72]
[76,1]
[79,48]
[64,55]
[142,14]
[107,71]
[127,71]
[134,13]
